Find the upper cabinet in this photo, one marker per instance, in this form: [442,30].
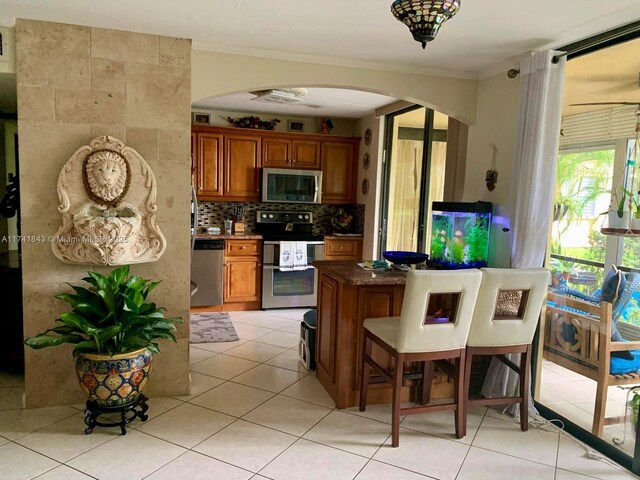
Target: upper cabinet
[339,171]
[241,167]
[227,162]
[209,164]
[288,153]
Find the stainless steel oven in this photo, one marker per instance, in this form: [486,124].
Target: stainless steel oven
[284,289]
[288,288]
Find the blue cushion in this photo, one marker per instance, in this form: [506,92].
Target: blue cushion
[620,366]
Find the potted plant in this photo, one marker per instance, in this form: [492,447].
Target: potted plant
[619,214]
[114,331]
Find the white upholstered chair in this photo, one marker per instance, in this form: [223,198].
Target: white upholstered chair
[504,322]
[433,325]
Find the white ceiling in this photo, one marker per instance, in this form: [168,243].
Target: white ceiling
[318,102]
[484,36]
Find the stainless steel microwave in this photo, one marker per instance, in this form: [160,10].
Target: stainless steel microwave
[291,186]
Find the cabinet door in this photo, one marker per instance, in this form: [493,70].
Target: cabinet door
[241,168]
[343,249]
[276,153]
[209,165]
[306,154]
[327,329]
[339,173]
[242,279]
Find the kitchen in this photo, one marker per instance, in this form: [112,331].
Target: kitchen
[256,188]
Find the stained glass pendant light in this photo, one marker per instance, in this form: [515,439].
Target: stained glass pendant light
[424,17]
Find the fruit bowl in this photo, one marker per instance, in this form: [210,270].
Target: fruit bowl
[405,258]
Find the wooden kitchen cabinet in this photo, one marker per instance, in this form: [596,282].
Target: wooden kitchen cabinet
[343,248]
[339,164]
[209,155]
[242,274]
[227,162]
[241,167]
[290,153]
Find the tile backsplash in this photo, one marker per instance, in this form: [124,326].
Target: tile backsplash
[212,214]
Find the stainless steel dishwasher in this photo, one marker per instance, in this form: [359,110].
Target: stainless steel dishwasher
[207,271]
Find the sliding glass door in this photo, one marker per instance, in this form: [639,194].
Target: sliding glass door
[413,176]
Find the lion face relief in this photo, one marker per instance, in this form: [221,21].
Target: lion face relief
[106,175]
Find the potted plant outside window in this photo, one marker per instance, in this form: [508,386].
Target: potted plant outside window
[114,331]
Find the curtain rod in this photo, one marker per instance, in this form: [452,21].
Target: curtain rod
[588,45]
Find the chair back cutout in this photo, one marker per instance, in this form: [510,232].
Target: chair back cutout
[508,306]
[437,309]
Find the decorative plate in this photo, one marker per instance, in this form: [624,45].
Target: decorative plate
[365,186]
[366,161]
[367,136]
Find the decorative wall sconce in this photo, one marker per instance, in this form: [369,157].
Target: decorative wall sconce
[107,195]
[491,178]
[424,17]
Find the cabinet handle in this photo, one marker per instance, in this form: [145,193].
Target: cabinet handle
[243,248]
[341,247]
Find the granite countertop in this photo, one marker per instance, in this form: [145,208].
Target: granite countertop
[206,236]
[348,271]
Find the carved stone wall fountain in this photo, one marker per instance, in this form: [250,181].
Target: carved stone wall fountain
[107,195]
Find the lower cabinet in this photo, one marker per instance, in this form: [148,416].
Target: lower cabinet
[242,274]
[343,249]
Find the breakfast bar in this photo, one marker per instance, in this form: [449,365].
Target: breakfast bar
[347,295]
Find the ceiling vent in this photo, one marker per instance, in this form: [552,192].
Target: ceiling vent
[292,95]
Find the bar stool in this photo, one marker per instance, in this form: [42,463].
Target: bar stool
[433,325]
[504,322]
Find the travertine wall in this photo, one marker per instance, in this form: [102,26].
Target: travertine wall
[76,83]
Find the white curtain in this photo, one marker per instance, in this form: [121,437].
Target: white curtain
[534,170]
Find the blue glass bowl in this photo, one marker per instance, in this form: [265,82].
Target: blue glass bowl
[405,258]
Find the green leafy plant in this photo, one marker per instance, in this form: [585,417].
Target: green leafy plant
[477,238]
[111,316]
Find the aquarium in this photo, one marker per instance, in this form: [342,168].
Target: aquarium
[460,234]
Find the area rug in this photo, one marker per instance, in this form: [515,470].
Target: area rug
[212,327]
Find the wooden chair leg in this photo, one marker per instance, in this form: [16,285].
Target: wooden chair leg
[458,393]
[525,375]
[600,408]
[395,404]
[427,377]
[467,382]
[364,369]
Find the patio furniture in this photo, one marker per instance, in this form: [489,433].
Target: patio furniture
[433,326]
[578,337]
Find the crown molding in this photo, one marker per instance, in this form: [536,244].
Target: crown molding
[335,61]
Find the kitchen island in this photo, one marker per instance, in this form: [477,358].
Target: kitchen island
[347,295]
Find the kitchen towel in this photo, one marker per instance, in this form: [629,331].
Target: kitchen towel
[287,250]
[300,256]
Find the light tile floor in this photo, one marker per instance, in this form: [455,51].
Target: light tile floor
[573,396]
[254,413]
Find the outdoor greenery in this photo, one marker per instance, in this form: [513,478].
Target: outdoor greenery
[111,316]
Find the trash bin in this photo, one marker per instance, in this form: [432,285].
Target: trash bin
[307,345]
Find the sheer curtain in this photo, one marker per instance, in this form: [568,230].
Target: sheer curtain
[404,196]
[541,89]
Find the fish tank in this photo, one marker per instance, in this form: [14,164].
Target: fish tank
[460,234]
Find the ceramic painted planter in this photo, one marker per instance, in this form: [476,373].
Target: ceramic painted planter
[635,223]
[113,381]
[620,223]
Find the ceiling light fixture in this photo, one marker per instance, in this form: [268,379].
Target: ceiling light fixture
[424,17]
[284,95]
